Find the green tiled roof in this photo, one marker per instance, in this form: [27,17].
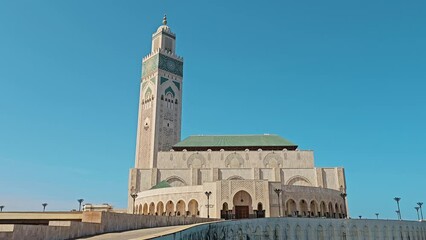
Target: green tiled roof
[162,184]
[266,140]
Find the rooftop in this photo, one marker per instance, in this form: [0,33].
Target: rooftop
[235,142]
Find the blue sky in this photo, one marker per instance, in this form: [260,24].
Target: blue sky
[344,78]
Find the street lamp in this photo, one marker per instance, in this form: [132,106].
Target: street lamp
[421,211]
[79,203]
[360,216]
[44,206]
[343,195]
[1,208]
[397,213]
[397,199]
[377,215]
[134,195]
[278,192]
[417,209]
[208,202]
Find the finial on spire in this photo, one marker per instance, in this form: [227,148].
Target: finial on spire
[165,20]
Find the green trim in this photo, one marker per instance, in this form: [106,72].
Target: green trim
[162,184]
[150,66]
[163,80]
[177,84]
[170,65]
[170,90]
[235,141]
[148,91]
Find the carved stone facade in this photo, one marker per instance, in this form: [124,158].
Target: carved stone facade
[242,177]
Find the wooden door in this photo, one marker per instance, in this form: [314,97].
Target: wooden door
[241,212]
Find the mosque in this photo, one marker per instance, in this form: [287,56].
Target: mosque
[218,176]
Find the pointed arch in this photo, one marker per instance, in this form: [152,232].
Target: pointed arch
[193,208]
[169,90]
[180,208]
[196,160]
[160,208]
[235,177]
[176,181]
[234,160]
[148,93]
[273,160]
[145,209]
[299,181]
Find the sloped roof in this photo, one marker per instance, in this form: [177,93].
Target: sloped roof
[215,141]
[162,184]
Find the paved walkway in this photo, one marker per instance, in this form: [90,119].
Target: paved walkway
[145,233]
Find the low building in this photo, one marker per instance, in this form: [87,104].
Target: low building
[104,207]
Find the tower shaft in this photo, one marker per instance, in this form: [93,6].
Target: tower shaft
[160,104]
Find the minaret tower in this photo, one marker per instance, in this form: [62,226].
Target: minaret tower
[160,104]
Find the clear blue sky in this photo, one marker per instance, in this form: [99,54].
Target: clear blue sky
[344,78]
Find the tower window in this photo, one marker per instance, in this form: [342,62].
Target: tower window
[162,97]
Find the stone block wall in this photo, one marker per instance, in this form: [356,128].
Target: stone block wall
[93,223]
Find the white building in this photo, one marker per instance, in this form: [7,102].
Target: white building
[232,176]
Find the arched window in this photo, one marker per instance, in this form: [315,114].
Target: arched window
[225,206]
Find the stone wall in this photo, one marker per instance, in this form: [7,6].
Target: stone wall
[93,223]
[236,159]
[304,228]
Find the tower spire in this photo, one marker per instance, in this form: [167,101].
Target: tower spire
[165,19]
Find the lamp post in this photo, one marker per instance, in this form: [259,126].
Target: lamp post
[397,213]
[1,208]
[44,206]
[397,199]
[343,195]
[417,209]
[377,215]
[421,211]
[360,216]
[208,202]
[278,192]
[134,196]
[79,203]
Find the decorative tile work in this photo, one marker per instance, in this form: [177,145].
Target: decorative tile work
[196,160]
[273,160]
[170,65]
[245,185]
[259,190]
[234,160]
[150,66]
[177,84]
[224,190]
[163,80]
[148,92]
[170,90]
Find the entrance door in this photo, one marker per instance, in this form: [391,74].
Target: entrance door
[241,212]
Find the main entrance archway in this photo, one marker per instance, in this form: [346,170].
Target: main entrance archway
[242,204]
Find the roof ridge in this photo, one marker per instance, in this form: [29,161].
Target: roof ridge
[233,135]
